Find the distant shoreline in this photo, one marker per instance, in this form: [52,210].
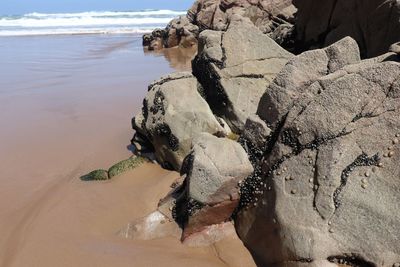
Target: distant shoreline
[91,22]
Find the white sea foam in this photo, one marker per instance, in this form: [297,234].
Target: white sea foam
[76,31]
[105,22]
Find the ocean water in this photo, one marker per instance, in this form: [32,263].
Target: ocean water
[105,22]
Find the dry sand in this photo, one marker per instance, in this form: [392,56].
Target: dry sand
[65,108]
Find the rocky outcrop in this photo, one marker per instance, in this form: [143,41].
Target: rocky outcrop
[326,187]
[229,80]
[173,113]
[374,24]
[267,15]
[211,189]
[179,32]
[319,185]
[299,73]
[235,67]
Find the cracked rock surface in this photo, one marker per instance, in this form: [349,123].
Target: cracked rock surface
[212,175]
[330,170]
[235,67]
[214,170]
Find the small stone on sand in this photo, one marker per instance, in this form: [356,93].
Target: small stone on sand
[364,186]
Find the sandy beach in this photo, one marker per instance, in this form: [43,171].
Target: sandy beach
[65,109]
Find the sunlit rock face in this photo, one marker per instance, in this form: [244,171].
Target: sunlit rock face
[326,188]
[268,16]
[234,68]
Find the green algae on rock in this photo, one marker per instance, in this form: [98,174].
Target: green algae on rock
[125,165]
[97,175]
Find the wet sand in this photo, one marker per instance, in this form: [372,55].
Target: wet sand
[65,109]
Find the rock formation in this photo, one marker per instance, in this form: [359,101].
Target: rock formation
[319,185]
[267,15]
[179,32]
[211,192]
[330,170]
[231,78]
[235,67]
[374,24]
[297,26]
[173,113]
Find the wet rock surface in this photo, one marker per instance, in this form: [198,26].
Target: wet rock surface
[125,165]
[115,170]
[179,32]
[96,175]
[328,177]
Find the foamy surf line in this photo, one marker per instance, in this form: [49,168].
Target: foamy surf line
[105,22]
[73,32]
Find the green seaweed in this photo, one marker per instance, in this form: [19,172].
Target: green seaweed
[125,165]
[97,175]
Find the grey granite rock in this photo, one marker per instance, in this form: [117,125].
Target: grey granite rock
[235,67]
[173,113]
[214,169]
[330,176]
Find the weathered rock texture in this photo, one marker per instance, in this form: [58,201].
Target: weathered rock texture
[213,170]
[267,15]
[321,130]
[374,24]
[326,186]
[179,32]
[231,72]
[173,113]
[235,67]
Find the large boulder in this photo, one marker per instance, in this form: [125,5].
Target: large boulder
[173,113]
[302,71]
[329,173]
[235,67]
[374,24]
[214,169]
